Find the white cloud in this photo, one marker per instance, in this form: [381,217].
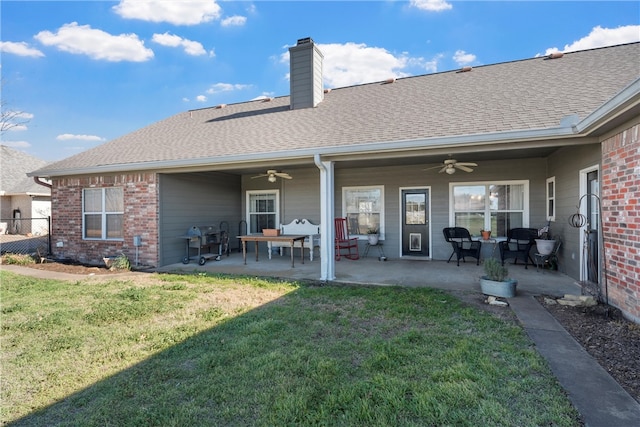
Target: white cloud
[96,44]
[352,63]
[463,58]
[431,66]
[17,128]
[190,47]
[22,115]
[431,5]
[201,98]
[17,144]
[600,37]
[226,87]
[234,21]
[20,49]
[173,12]
[70,136]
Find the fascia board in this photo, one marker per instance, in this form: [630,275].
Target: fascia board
[624,100]
[290,155]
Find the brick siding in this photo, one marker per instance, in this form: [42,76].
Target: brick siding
[621,219]
[140,219]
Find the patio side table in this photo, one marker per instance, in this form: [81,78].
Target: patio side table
[378,245]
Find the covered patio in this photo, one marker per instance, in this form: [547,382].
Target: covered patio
[394,272]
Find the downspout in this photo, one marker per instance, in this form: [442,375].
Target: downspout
[37,180]
[327,249]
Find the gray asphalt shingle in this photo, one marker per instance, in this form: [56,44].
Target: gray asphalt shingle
[520,95]
[14,165]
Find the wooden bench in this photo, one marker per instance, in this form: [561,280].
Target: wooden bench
[298,226]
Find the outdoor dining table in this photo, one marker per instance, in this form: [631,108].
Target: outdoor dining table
[257,238]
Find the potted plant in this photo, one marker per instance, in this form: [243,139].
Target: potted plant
[373,236]
[486,234]
[544,242]
[495,281]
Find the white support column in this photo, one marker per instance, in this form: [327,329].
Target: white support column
[327,209]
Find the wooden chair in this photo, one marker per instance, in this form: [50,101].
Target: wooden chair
[343,242]
[518,245]
[462,245]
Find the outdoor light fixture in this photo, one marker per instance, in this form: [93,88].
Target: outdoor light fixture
[272,178]
[451,170]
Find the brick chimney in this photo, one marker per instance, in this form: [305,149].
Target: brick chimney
[305,74]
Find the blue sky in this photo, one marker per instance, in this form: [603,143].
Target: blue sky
[80,73]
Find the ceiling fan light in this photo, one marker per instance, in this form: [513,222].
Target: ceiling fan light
[272,178]
[451,170]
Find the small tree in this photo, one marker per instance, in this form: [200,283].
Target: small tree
[10,118]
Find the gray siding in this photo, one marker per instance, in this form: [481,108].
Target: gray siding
[299,197]
[394,178]
[192,199]
[565,164]
[305,76]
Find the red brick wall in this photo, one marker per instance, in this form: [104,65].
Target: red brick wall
[140,218]
[621,219]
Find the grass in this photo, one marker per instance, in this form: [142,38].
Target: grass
[203,350]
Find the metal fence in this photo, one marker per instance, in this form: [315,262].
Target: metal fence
[25,236]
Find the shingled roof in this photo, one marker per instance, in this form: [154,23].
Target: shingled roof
[536,93]
[14,165]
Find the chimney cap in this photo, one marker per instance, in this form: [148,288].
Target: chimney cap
[304,41]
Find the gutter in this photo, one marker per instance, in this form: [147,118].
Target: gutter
[359,149]
[626,99]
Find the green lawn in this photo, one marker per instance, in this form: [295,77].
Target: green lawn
[197,350]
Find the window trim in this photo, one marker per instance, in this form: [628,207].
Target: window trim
[248,212]
[103,215]
[381,230]
[487,209]
[552,217]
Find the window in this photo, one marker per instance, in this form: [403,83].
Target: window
[551,198]
[364,208]
[262,210]
[490,206]
[103,213]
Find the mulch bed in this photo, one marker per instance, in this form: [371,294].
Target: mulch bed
[608,337]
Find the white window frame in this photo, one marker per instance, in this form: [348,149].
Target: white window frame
[487,208]
[103,214]
[249,213]
[551,199]
[345,190]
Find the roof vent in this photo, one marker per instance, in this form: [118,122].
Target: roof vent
[268,99]
[327,90]
[389,81]
[555,55]
[221,106]
[465,69]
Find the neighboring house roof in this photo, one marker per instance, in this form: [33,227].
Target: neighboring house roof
[14,166]
[517,99]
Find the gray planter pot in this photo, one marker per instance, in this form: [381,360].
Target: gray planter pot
[545,247]
[505,289]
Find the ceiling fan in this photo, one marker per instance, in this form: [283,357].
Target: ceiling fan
[450,165]
[272,175]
